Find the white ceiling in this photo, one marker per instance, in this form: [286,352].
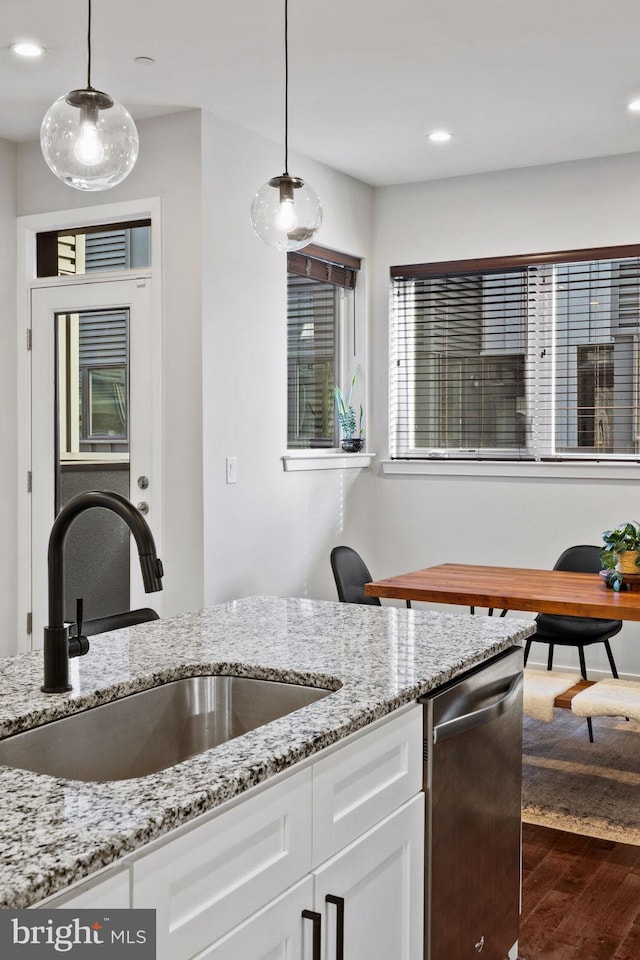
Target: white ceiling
[517,83]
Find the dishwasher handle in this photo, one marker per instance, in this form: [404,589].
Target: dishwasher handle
[450,728]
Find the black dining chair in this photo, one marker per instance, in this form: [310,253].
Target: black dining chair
[559,630]
[351,573]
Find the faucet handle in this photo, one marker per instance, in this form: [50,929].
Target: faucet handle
[79,615]
[78,645]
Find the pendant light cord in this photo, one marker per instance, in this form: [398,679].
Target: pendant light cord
[89,87]
[286,88]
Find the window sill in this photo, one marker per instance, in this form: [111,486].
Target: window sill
[325,460]
[521,470]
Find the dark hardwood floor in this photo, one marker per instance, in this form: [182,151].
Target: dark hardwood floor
[580,897]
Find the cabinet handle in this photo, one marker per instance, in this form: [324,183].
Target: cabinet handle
[339,903]
[316,919]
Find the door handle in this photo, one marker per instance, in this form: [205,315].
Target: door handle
[339,904]
[316,919]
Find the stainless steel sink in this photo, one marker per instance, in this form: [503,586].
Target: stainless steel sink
[154,729]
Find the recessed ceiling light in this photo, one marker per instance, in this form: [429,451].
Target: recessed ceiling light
[439,136]
[145,61]
[634,106]
[27,49]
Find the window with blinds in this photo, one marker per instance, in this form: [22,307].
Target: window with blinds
[320,285]
[517,358]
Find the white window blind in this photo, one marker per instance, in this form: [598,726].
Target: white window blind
[313,311]
[320,283]
[517,358]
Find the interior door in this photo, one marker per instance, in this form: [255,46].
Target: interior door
[92,428]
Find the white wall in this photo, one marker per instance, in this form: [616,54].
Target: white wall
[168,167]
[431,519]
[8,416]
[224,297]
[271,532]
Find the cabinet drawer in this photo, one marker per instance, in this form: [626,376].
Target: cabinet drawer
[109,893]
[207,881]
[363,781]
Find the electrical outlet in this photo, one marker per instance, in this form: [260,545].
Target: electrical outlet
[232,469]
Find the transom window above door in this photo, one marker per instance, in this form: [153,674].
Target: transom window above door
[110,247]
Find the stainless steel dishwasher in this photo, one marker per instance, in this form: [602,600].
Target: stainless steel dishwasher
[472,781]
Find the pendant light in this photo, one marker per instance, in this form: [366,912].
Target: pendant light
[88,139]
[286,211]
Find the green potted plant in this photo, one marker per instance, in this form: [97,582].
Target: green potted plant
[621,552]
[351,427]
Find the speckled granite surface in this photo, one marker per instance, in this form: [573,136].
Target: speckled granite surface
[54,831]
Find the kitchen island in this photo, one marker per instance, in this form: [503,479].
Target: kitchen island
[375,661]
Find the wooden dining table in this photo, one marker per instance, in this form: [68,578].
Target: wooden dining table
[511,588]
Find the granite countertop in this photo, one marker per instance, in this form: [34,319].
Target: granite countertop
[54,832]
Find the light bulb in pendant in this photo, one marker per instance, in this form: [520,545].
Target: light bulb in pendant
[286,219]
[88,148]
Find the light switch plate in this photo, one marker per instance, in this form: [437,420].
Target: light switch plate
[232,469]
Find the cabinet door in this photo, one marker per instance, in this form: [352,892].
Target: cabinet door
[210,879]
[380,879]
[278,932]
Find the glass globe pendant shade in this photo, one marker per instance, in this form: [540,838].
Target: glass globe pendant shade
[286,213]
[89,140]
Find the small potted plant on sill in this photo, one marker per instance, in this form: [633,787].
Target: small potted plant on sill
[621,552]
[352,435]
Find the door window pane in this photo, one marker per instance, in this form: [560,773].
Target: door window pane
[93,371]
[92,442]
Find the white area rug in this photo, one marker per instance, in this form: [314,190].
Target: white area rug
[588,788]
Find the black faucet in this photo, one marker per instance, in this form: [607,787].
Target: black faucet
[58,645]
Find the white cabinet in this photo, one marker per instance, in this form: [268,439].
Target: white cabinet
[338,836]
[371,894]
[208,880]
[109,892]
[367,902]
[364,897]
